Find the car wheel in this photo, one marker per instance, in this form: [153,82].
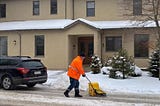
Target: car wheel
[7,83]
[30,85]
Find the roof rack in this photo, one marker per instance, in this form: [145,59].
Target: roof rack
[18,57]
[21,56]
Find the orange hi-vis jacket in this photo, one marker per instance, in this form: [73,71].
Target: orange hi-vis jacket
[75,69]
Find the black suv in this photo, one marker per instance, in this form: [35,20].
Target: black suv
[21,70]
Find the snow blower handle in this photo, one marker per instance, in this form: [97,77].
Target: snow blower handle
[90,83]
[88,79]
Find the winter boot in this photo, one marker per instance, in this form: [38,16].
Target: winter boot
[66,93]
[77,93]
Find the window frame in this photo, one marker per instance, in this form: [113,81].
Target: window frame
[114,47]
[36,7]
[137,7]
[53,6]
[90,12]
[39,45]
[2,10]
[140,48]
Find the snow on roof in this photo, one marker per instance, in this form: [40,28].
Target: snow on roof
[112,24]
[63,23]
[91,23]
[35,24]
[123,24]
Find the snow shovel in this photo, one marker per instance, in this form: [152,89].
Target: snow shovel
[94,89]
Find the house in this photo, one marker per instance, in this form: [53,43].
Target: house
[55,31]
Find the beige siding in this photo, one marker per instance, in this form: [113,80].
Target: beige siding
[62,45]
[59,49]
[128,43]
[58,44]
[104,10]
[69,9]
[80,30]
[22,10]
[55,46]
[56,53]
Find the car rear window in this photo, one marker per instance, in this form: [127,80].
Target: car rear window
[32,63]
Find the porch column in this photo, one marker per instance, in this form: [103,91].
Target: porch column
[97,44]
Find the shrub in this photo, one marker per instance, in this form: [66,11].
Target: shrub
[154,63]
[96,64]
[121,63]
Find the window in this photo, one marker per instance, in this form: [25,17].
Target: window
[7,62]
[3,62]
[32,63]
[36,7]
[141,45]
[90,8]
[3,46]
[53,6]
[137,7]
[113,43]
[2,10]
[39,45]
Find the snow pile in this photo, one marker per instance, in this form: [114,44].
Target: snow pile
[143,84]
[105,70]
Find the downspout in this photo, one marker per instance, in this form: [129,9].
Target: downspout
[65,9]
[20,44]
[73,9]
[102,45]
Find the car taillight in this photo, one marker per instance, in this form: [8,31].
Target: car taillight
[23,70]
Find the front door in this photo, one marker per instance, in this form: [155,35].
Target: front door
[85,45]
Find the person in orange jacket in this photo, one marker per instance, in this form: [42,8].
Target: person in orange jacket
[75,70]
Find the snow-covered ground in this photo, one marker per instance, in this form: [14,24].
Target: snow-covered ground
[58,79]
[144,84]
[141,85]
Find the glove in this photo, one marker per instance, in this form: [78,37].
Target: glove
[84,75]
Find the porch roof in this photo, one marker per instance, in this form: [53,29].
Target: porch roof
[63,23]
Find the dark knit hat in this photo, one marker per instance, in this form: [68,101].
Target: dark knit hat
[82,54]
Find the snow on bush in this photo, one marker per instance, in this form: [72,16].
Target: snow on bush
[121,63]
[96,64]
[136,72]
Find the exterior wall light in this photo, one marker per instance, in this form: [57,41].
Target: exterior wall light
[14,42]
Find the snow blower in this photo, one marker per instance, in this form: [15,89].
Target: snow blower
[94,89]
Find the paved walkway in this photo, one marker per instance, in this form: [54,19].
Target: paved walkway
[35,97]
